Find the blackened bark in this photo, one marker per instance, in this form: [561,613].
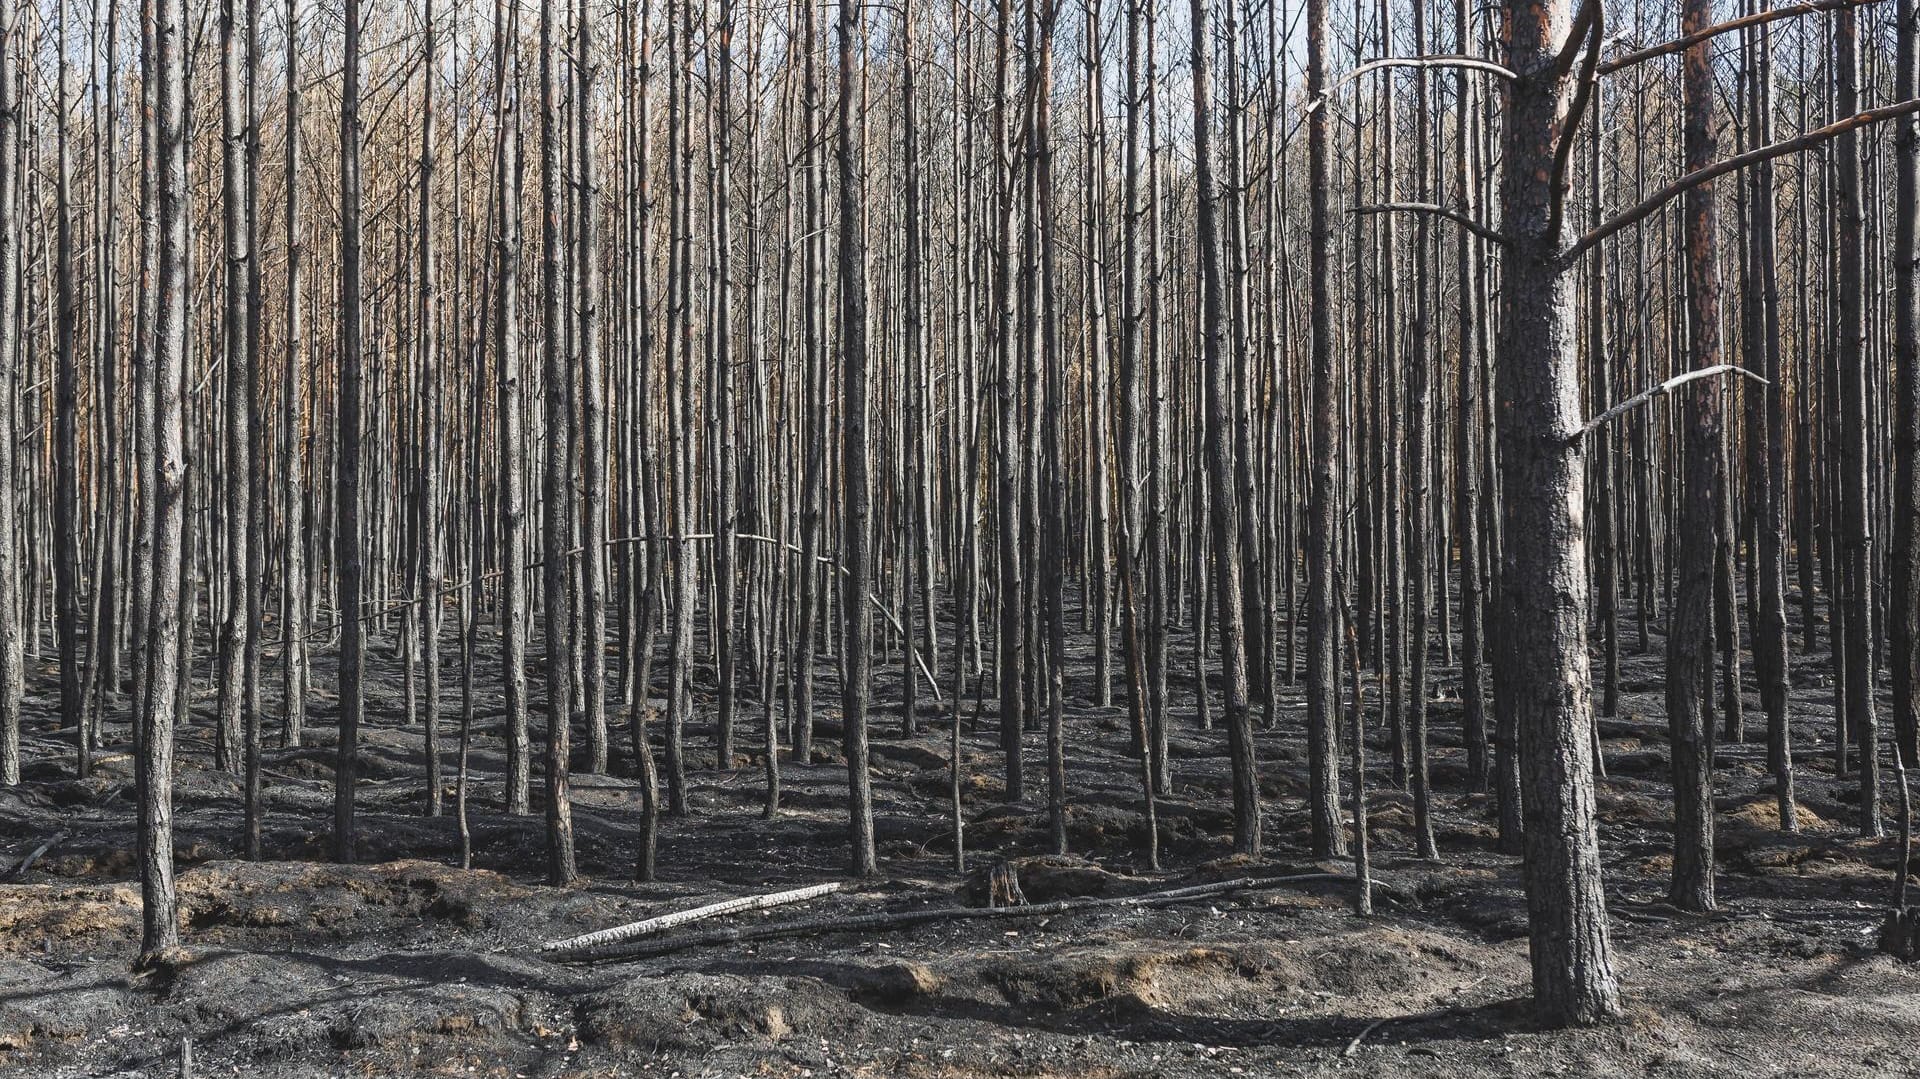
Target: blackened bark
[1544,576]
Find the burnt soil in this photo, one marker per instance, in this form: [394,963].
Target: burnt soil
[407,965]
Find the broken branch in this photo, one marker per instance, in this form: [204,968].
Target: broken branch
[27,863]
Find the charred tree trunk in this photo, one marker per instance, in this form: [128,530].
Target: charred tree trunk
[1543,579]
[1323,621]
[1690,638]
[857,535]
[347,537]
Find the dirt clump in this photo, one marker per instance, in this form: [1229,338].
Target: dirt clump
[694,1012]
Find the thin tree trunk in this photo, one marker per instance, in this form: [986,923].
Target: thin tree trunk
[427,313]
[857,539]
[556,527]
[508,391]
[166,371]
[347,538]
[593,453]
[1690,638]
[293,580]
[1903,616]
[1224,510]
[1323,621]
[1854,455]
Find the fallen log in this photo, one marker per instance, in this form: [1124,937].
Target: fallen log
[900,919]
[660,924]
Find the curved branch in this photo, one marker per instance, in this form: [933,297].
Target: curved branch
[1662,390]
[1447,212]
[1681,44]
[1652,203]
[1472,63]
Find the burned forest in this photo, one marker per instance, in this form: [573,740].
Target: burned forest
[1069,538]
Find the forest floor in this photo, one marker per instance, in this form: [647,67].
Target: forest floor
[405,965]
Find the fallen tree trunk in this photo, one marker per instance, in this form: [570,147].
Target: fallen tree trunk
[664,922]
[901,919]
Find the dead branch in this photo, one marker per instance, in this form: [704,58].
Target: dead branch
[1437,210]
[1354,1045]
[1665,388]
[1655,201]
[1591,25]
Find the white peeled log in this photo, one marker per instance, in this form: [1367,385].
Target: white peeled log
[664,922]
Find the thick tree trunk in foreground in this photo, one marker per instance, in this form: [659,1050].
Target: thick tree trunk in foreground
[1543,578]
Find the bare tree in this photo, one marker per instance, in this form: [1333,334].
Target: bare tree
[166,67]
